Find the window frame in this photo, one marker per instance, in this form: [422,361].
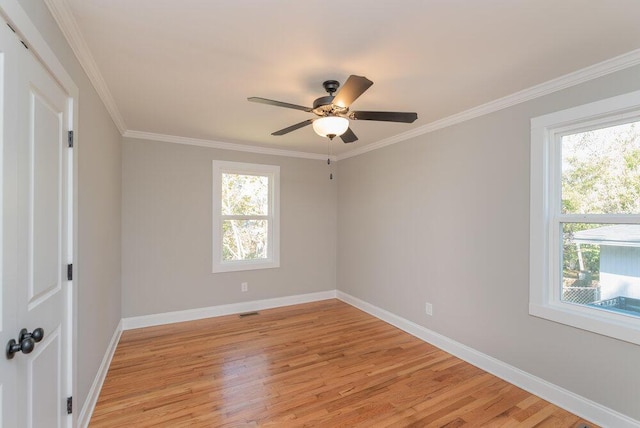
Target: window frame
[546,217]
[273,217]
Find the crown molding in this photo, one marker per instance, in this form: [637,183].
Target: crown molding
[586,74]
[140,135]
[63,15]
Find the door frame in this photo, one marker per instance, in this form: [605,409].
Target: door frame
[13,13]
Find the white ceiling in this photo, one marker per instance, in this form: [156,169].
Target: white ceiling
[186,67]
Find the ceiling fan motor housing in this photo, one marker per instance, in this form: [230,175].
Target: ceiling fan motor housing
[324,106]
[322,102]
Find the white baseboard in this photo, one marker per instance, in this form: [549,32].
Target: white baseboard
[92,398]
[569,401]
[216,311]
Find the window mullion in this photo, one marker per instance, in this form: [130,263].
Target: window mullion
[244,217]
[599,218]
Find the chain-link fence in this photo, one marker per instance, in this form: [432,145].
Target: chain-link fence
[582,295]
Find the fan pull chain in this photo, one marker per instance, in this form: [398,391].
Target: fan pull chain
[329,159]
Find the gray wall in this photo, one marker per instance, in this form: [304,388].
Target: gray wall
[444,218]
[98,267]
[166,230]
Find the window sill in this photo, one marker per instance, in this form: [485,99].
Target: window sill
[615,325]
[244,265]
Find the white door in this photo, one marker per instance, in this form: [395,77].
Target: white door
[36,293]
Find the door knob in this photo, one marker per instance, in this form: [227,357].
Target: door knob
[26,342]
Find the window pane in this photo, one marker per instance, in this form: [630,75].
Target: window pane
[245,194]
[601,171]
[601,266]
[244,239]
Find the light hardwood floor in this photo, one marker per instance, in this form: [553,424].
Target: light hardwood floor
[319,364]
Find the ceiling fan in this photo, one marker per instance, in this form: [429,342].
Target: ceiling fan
[333,110]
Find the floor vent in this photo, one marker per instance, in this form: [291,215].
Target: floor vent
[248,314]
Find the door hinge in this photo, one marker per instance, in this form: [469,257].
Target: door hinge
[69,271]
[70,138]
[69,405]
[21,41]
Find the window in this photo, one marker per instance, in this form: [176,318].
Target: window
[245,216]
[585,217]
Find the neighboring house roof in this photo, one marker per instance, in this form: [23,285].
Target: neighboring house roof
[620,235]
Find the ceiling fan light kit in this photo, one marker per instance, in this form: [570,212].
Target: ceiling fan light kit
[330,126]
[333,111]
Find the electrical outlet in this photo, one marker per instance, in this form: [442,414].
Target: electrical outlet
[244,287]
[428,308]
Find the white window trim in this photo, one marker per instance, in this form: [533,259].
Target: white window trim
[273,237]
[545,236]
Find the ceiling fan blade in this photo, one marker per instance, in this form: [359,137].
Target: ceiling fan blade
[278,103]
[293,127]
[349,136]
[351,90]
[385,116]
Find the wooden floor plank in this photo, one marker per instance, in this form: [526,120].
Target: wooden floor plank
[317,364]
